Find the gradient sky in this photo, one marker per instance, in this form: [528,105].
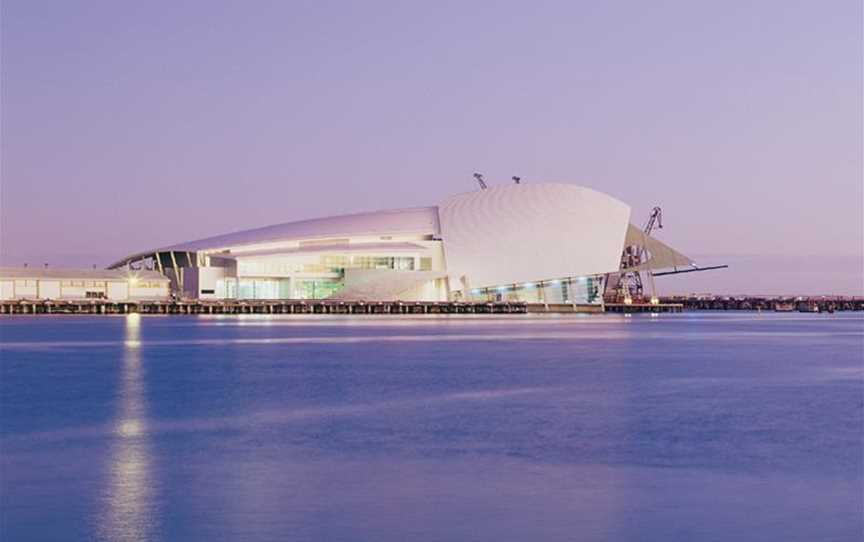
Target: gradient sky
[131,125]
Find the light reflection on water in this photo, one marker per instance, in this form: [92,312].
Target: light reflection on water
[677,427]
[129,514]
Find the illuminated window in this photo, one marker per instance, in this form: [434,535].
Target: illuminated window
[316,288]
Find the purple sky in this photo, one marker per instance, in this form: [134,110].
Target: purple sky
[127,126]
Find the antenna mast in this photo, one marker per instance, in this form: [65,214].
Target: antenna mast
[480,181]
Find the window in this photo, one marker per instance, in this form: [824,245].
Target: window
[425,264]
[403,264]
[262,289]
[226,288]
[316,289]
[384,262]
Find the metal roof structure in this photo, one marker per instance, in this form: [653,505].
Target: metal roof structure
[417,220]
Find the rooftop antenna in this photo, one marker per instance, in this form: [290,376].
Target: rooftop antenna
[480,180]
[516,179]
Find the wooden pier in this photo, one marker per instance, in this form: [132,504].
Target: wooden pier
[768,303]
[256,307]
[631,308]
[674,304]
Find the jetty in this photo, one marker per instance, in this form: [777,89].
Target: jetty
[781,303]
[673,304]
[101,306]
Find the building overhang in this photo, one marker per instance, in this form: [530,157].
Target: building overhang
[353,248]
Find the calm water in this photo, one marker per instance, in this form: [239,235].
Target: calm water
[679,427]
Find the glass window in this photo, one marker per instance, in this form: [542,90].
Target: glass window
[226,288]
[316,288]
[384,262]
[245,289]
[404,264]
[256,288]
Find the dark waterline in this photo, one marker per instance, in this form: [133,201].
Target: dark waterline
[679,427]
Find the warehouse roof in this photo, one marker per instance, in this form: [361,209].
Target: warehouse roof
[62,273]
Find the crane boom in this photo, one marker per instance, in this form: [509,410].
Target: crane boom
[656,218]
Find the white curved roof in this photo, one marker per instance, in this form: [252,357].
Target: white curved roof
[528,232]
[417,220]
[506,234]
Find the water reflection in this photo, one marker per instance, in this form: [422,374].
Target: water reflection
[128,508]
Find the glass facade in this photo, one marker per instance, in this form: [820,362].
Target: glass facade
[296,288]
[277,277]
[226,288]
[327,263]
[315,271]
[247,288]
[315,288]
[578,290]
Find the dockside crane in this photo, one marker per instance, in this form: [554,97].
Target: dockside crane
[630,285]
